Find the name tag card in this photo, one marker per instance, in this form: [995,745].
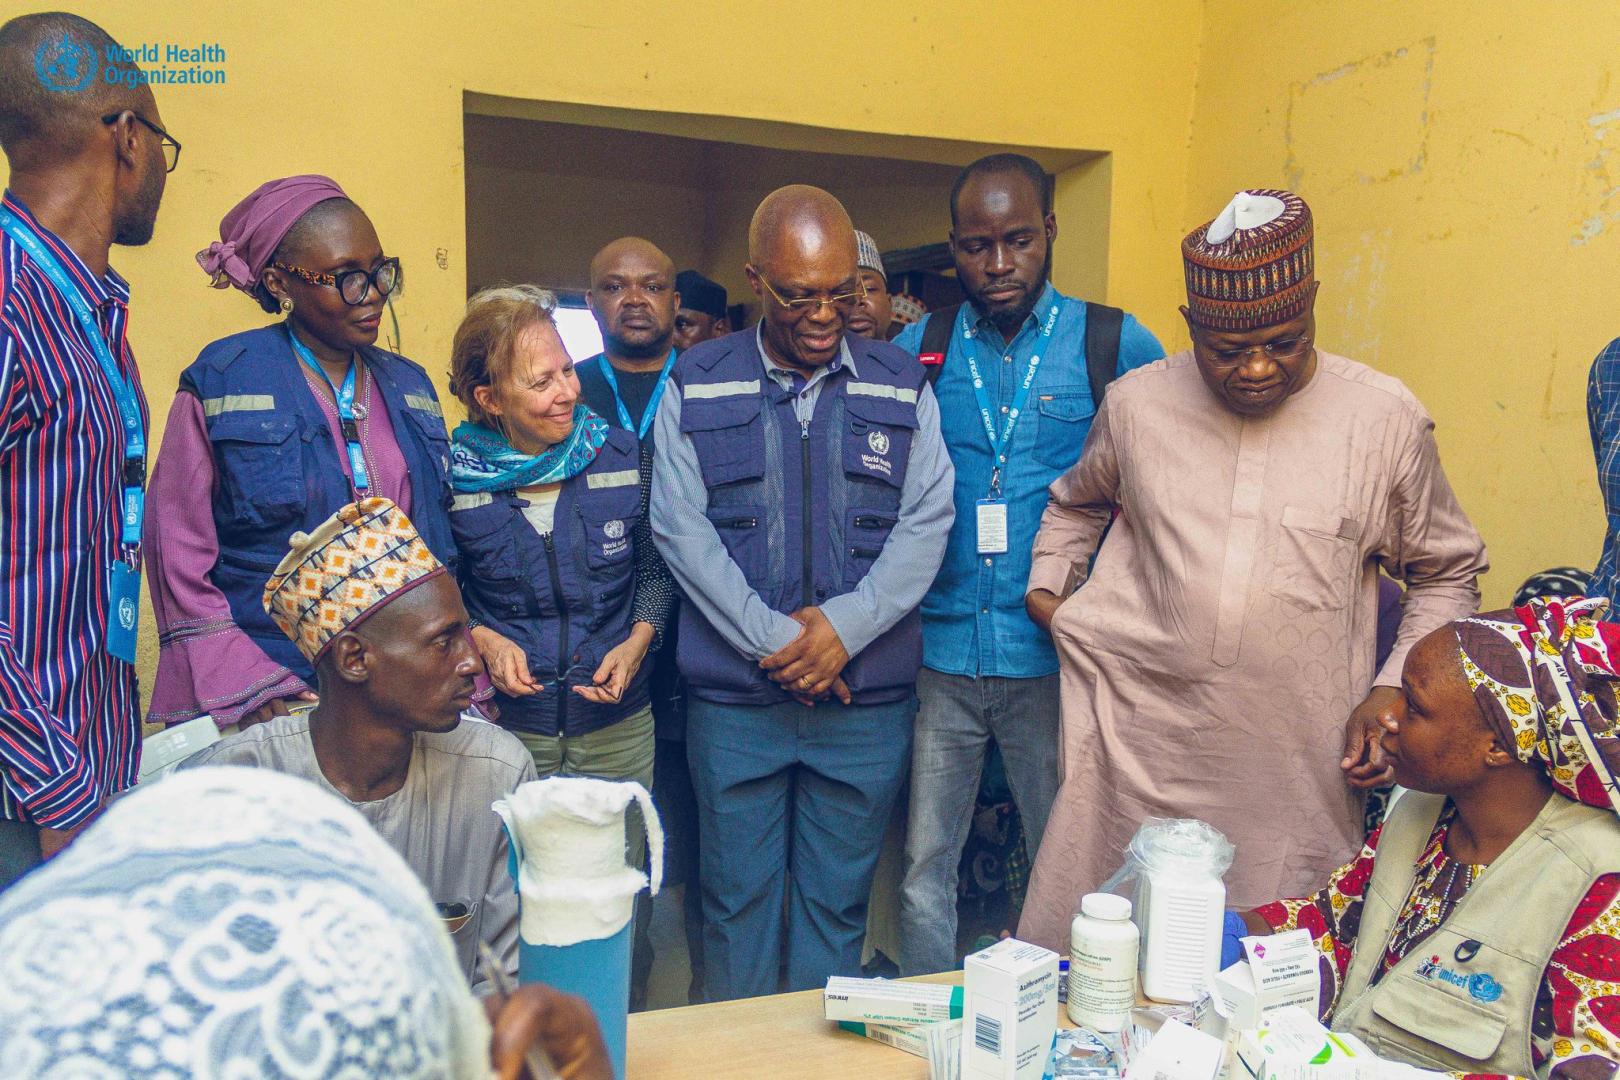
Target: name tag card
[123,611]
[992,515]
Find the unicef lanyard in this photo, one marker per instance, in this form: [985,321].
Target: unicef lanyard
[999,445]
[129,409]
[348,411]
[652,402]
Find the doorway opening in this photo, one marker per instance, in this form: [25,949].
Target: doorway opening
[549,183]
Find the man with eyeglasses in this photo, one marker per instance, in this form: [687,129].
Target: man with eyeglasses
[801,497]
[89,160]
[1217,651]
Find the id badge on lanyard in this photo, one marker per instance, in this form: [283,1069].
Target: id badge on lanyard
[123,610]
[991,512]
[992,523]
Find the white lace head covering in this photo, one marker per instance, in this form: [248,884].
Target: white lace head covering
[231,923]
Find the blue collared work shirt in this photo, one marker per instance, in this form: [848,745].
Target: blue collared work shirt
[974,621]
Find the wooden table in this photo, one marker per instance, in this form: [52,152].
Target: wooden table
[783,1036]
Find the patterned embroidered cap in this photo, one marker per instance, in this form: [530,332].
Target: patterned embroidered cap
[867,256]
[907,308]
[1254,265]
[361,557]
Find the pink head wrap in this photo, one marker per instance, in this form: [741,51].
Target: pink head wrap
[250,233]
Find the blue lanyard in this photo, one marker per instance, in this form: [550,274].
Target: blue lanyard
[129,408]
[652,402]
[344,396]
[999,444]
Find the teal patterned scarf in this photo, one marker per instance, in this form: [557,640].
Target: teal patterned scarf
[482,460]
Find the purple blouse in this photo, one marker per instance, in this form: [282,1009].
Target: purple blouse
[205,663]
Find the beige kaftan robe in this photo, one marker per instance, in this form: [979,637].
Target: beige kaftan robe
[1210,662]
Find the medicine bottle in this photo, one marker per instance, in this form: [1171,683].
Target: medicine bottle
[1102,963]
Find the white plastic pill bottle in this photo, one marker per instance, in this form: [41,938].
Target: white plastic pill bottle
[1181,912]
[1102,963]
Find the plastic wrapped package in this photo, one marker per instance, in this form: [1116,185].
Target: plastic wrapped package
[1173,872]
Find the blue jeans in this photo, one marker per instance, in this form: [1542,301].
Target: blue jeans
[791,808]
[957,717]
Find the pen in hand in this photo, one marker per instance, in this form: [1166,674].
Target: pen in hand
[535,1057]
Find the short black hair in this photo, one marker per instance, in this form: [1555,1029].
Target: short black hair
[308,223]
[1005,163]
[46,122]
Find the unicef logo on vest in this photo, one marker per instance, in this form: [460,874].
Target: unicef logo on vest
[126,613]
[65,65]
[1482,987]
[879,442]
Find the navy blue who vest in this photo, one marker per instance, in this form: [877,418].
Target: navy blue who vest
[803,512]
[565,598]
[277,470]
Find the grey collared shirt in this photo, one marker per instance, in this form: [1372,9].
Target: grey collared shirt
[696,556]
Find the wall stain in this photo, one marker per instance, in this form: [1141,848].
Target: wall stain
[1603,126]
[1293,167]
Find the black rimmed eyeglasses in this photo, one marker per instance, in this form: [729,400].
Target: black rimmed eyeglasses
[171,145]
[354,285]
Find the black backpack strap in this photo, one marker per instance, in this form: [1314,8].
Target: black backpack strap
[1102,347]
[936,340]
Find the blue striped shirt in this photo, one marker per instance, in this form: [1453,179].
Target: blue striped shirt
[69,723]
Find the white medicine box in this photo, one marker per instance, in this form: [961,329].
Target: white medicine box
[1009,1011]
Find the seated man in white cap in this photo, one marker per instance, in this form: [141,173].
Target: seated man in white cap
[383,624]
[1217,653]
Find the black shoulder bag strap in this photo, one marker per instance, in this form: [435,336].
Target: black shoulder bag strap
[936,340]
[1102,347]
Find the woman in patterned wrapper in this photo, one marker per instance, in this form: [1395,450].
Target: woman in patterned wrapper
[1479,930]
[558,570]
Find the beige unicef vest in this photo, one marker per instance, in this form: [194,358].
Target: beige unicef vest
[1463,998]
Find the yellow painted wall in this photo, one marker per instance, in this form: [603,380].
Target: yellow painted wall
[1458,157]
[1460,160]
[374,96]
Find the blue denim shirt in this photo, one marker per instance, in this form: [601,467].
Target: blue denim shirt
[973,617]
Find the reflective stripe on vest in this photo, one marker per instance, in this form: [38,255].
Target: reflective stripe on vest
[214,406]
[736,388]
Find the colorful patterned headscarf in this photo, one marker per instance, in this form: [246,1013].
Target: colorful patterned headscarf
[231,922]
[1547,677]
[256,226]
